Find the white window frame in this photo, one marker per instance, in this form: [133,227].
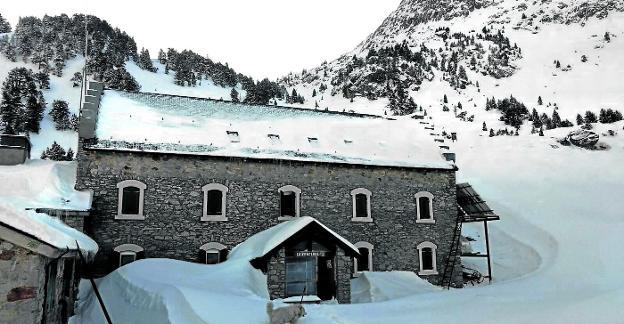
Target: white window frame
[120,187]
[213,247]
[417,197]
[368,193]
[127,249]
[214,218]
[434,255]
[369,247]
[297,191]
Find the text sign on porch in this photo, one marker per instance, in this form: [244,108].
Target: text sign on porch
[309,253]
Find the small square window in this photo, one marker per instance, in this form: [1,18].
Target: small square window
[213,257]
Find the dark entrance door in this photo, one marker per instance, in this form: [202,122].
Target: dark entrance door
[326,278]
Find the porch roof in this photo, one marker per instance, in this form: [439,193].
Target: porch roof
[263,243]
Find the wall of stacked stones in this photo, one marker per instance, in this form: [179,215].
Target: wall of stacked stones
[174,201]
[22,278]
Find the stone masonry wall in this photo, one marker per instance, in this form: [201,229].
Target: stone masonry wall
[22,278]
[174,201]
[276,274]
[344,266]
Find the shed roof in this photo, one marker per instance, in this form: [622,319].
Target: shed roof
[471,207]
[173,124]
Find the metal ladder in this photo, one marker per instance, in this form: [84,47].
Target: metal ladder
[453,255]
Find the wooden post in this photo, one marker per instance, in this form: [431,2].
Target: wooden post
[487,248]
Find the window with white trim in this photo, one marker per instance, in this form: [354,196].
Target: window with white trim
[427,258]
[361,205]
[128,253]
[213,253]
[290,199]
[363,262]
[214,202]
[130,202]
[424,207]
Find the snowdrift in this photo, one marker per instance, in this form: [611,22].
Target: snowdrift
[169,291]
[371,287]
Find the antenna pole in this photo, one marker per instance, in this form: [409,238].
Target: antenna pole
[83,86]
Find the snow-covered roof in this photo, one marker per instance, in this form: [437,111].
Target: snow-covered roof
[264,242]
[46,229]
[174,124]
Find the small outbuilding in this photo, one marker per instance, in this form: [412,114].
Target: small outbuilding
[302,257]
[39,267]
[14,149]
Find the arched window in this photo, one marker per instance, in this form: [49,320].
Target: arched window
[212,253]
[131,196]
[289,202]
[361,205]
[427,257]
[364,262]
[214,202]
[424,207]
[128,253]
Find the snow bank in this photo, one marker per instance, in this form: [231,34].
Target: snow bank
[263,242]
[372,287]
[42,184]
[169,291]
[46,229]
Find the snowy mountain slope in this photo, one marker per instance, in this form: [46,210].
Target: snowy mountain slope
[557,33]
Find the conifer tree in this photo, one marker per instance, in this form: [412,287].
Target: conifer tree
[234,95]
[607,37]
[60,115]
[590,117]
[539,100]
[445,100]
[74,122]
[484,127]
[5,27]
[145,61]
[22,105]
[162,57]
[56,153]
[579,119]
[556,120]
[491,132]
[313,93]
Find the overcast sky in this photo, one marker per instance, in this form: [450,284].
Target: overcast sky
[261,38]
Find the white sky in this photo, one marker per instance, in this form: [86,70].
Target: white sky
[261,38]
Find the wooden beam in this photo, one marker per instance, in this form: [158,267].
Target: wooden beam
[487,248]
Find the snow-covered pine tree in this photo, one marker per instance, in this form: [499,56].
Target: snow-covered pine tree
[579,119]
[162,57]
[234,95]
[74,122]
[76,79]
[484,127]
[590,117]
[22,105]
[56,153]
[556,119]
[43,79]
[5,27]
[60,115]
[145,61]
[539,101]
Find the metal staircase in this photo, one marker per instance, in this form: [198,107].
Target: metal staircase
[453,255]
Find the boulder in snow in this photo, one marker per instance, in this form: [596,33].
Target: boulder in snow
[583,138]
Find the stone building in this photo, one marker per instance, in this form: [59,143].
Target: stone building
[190,179]
[39,272]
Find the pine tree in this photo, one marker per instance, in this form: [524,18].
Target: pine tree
[539,100]
[74,122]
[313,93]
[145,61]
[579,119]
[484,127]
[162,57]
[22,105]
[76,79]
[590,117]
[491,133]
[60,115]
[234,95]
[5,27]
[56,153]
[607,37]
[556,120]
[43,79]
[541,131]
